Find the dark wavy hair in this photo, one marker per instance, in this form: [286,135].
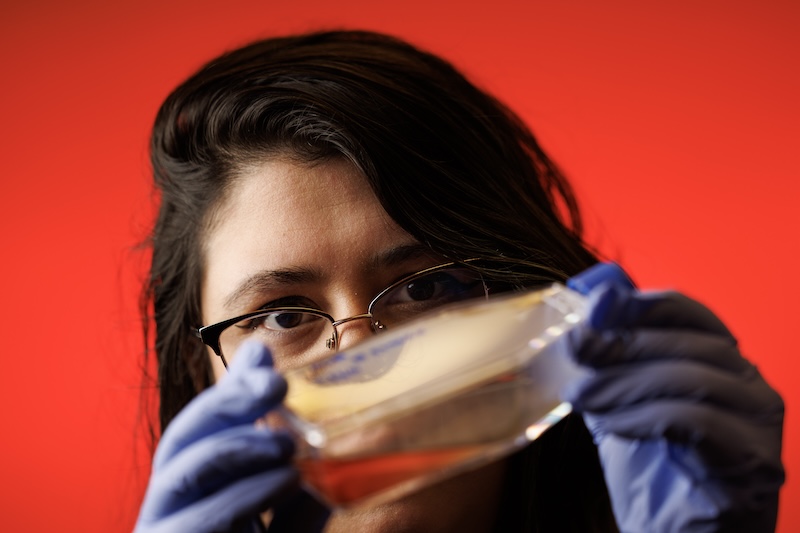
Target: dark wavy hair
[449,163]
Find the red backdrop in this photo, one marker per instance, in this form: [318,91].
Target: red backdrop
[675,123]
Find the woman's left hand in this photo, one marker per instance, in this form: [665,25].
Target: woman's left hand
[688,432]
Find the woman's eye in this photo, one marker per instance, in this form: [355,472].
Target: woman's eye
[280,321]
[426,293]
[423,289]
[436,286]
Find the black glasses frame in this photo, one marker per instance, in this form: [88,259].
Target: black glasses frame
[210,335]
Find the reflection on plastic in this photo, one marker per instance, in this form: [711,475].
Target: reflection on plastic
[437,396]
[360,364]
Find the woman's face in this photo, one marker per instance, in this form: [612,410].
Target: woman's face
[316,236]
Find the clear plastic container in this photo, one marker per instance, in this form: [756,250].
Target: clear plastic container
[442,394]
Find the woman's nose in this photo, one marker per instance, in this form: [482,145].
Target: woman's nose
[354,330]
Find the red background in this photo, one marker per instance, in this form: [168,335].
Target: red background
[678,125]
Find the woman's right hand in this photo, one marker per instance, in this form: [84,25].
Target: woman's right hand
[216,470]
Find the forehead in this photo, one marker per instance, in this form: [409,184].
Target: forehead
[290,193]
[284,214]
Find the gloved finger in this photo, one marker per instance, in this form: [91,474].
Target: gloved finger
[599,349]
[599,274]
[212,463]
[218,511]
[302,512]
[616,387]
[614,307]
[250,389]
[727,443]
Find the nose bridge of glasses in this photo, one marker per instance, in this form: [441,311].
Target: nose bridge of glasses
[352,333]
[337,323]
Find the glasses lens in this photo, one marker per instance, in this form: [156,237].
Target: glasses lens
[290,334]
[426,292]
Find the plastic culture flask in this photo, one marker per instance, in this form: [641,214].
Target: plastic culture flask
[439,395]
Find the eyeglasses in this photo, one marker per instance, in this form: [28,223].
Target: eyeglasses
[301,332]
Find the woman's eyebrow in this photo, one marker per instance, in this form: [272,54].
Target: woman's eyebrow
[400,254]
[267,280]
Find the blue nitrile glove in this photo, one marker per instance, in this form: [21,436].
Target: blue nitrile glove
[215,470]
[688,432]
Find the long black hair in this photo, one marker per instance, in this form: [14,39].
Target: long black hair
[452,165]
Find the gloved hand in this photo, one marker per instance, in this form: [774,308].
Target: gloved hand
[214,470]
[688,432]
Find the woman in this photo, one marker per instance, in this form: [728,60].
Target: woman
[314,171]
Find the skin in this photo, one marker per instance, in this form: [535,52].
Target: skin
[323,222]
